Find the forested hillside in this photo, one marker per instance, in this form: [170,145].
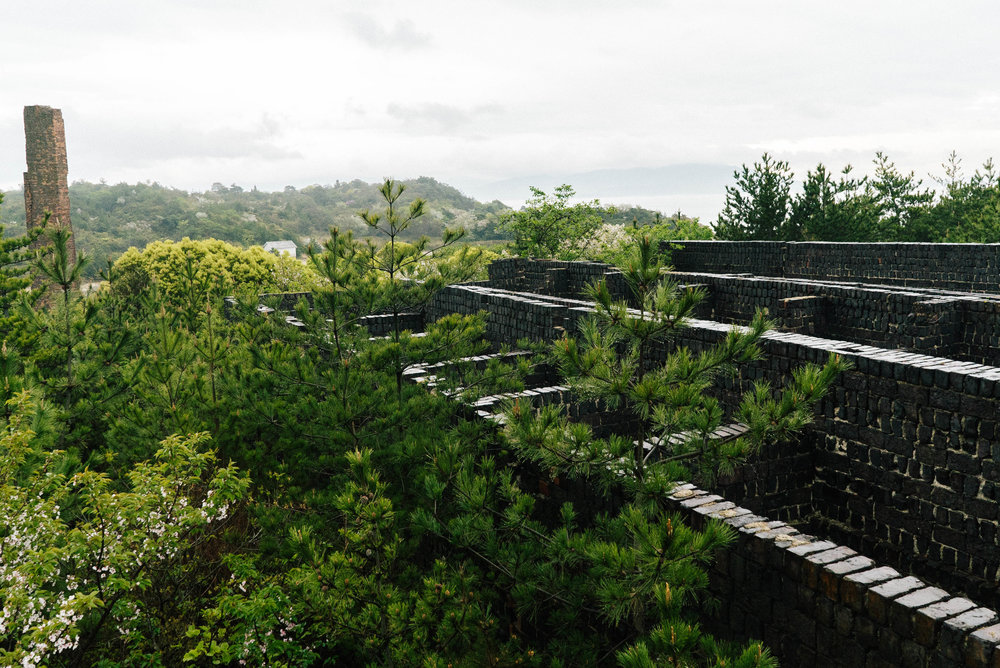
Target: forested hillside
[109,219]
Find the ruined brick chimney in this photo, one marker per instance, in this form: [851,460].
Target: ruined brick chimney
[45,182]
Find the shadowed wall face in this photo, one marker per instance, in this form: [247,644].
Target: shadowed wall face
[45,182]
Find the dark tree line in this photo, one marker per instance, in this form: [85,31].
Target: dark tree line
[889,205]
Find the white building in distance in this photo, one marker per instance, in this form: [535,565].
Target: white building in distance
[282,247]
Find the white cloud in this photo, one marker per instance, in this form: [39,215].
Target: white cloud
[402,34]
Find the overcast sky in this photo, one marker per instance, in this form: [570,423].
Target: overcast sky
[294,92]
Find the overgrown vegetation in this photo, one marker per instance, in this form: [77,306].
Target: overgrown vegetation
[552,226]
[184,481]
[179,487]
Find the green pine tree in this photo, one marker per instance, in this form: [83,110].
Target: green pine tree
[757,205]
[624,579]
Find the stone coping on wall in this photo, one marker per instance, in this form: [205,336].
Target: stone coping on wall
[934,317]
[906,455]
[813,601]
[968,267]
[942,372]
[799,603]
[863,286]
[862,613]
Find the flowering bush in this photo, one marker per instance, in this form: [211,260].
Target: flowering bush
[606,241]
[76,553]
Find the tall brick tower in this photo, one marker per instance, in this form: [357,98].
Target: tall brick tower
[45,183]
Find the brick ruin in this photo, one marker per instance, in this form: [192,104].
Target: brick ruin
[872,540]
[46,189]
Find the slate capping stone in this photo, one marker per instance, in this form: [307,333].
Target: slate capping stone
[714,507]
[742,520]
[784,532]
[927,621]
[683,491]
[973,619]
[837,554]
[802,550]
[700,500]
[945,609]
[786,540]
[921,597]
[898,587]
[879,574]
[988,634]
[981,645]
[764,525]
[854,586]
[730,513]
[849,565]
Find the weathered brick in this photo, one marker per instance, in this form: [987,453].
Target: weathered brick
[902,609]
[854,585]
[877,598]
[981,645]
[45,183]
[927,621]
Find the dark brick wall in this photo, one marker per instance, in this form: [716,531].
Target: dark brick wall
[906,459]
[959,326]
[917,319]
[551,277]
[963,267]
[816,603]
[901,465]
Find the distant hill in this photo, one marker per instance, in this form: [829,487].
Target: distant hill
[108,219]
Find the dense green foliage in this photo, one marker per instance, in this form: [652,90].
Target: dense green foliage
[551,226]
[615,244]
[110,219]
[221,267]
[968,209]
[187,482]
[831,210]
[889,205]
[184,481]
[306,412]
[757,206]
[14,275]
